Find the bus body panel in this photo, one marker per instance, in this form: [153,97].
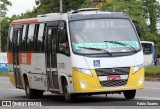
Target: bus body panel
[64,67]
[148,59]
[107,62]
[34,65]
[148,52]
[10,68]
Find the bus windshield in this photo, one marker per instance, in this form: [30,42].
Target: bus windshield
[100,33]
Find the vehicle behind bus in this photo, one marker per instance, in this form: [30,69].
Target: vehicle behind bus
[81,52]
[148,52]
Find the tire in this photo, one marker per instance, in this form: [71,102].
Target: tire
[32,93]
[129,94]
[67,95]
[106,96]
[38,93]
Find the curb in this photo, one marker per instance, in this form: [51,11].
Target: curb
[152,79]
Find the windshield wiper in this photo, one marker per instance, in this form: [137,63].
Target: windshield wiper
[97,49]
[127,45]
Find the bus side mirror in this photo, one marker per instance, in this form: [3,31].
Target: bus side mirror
[139,31]
[62,35]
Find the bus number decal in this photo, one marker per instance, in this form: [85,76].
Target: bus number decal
[61,65]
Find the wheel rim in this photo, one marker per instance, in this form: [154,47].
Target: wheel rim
[66,93]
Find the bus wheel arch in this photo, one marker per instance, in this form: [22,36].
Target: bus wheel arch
[67,95]
[31,93]
[24,79]
[61,80]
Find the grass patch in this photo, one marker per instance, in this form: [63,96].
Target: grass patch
[152,72]
[3,74]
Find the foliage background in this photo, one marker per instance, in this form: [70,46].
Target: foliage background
[140,11]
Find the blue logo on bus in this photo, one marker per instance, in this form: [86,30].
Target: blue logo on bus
[96,63]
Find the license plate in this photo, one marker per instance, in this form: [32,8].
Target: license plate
[113,78]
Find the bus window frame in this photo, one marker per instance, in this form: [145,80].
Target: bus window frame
[148,52]
[42,48]
[32,49]
[63,24]
[9,41]
[51,24]
[21,30]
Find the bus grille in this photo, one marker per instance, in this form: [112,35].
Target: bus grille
[112,71]
[113,83]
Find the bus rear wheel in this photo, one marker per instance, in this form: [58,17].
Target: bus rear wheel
[32,93]
[67,95]
[129,94]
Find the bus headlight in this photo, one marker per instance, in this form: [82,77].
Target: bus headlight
[137,68]
[140,81]
[83,84]
[85,71]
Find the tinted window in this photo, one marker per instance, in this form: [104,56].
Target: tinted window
[30,39]
[10,39]
[96,33]
[48,39]
[23,48]
[63,46]
[40,38]
[147,48]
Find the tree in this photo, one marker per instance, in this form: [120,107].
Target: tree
[50,6]
[152,14]
[135,9]
[4,32]
[3,7]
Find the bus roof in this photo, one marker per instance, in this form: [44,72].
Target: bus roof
[149,42]
[95,14]
[40,18]
[88,13]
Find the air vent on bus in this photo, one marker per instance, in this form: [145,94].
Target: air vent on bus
[83,9]
[116,83]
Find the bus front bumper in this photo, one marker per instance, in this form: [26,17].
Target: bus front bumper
[84,83]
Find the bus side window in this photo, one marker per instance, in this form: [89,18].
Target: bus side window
[40,38]
[23,41]
[10,46]
[63,45]
[30,38]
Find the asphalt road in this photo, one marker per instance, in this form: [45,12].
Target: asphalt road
[150,92]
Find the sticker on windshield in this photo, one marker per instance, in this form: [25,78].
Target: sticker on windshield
[106,45]
[96,63]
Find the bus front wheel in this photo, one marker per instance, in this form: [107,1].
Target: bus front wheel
[67,95]
[129,94]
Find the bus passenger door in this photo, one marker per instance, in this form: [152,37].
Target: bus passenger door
[51,57]
[16,44]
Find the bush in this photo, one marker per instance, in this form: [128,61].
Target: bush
[152,72]
[3,74]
